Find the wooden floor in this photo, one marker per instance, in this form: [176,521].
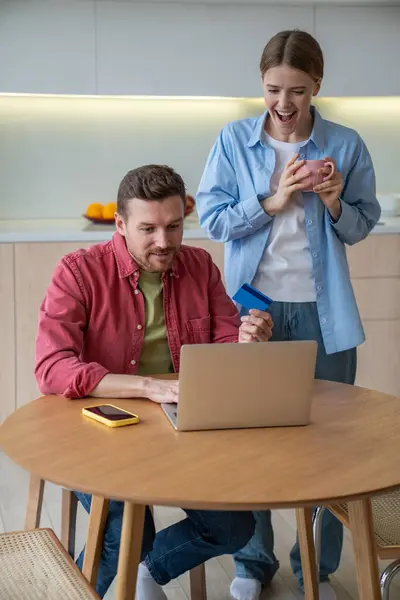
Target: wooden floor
[13,494]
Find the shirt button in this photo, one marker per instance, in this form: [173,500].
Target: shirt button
[309,222]
[302,156]
[315,254]
[319,287]
[323,321]
[136,273]
[136,292]
[139,327]
[133,362]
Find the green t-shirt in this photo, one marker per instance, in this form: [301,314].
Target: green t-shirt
[155,356]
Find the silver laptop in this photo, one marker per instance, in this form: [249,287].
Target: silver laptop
[233,386]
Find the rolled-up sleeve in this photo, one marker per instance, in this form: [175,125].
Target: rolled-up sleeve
[360,207]
[60,340]
[222,213]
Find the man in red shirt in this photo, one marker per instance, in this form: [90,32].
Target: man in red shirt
[120,311]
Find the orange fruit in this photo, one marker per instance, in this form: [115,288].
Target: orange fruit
[95,210]
[109,210]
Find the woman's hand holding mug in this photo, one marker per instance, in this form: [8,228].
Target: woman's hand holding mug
[318,176]
[330,190]
[290,182]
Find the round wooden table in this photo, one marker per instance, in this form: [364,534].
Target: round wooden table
[346,454]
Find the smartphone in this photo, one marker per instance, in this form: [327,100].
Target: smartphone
[110,415]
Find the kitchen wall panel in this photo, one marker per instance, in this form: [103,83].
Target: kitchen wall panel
[361,47]
[178,49]
[47,47]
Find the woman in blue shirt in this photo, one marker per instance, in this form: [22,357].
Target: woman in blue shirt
[290,243]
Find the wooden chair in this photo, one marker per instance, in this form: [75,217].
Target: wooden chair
[34,565]
[386,525]
[69,505]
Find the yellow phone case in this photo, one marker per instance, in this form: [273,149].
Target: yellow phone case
[130,420]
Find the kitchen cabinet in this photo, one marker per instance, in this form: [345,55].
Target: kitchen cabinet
[187,49]
[47,47]
[375,273]
[190,49]
[378,365]
[7,326]
[26,270]
[378,256]
[34,265]
[361,47]
[214,248]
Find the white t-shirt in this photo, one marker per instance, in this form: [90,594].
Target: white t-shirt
[285,269]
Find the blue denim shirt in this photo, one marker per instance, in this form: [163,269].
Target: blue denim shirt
[237,177]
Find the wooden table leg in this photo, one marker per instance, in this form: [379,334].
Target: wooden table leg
[35,501]
[198,590]
[304,517]
[69,505]
[365,553]
[94,542]
[129,554]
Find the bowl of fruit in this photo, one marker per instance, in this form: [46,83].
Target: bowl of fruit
[190,204]
[101,214]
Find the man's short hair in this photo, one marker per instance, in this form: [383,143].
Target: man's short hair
[149,182]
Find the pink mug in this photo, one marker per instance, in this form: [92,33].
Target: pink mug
[314,177]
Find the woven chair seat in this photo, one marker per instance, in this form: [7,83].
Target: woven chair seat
[34,566]
[386,518]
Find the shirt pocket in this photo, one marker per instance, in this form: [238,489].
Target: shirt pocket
[199,330]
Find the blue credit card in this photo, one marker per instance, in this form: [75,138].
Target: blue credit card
[249,297]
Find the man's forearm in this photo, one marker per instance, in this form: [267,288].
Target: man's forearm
[121,386]
[134,386]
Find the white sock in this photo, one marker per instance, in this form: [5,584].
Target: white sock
[245,589]
[326,591]
[146,587]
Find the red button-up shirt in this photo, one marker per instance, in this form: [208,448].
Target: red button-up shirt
[92,319]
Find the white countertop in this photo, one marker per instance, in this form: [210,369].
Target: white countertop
[80,230]
[73,230]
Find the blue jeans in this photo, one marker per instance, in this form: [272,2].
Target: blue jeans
[298,321]
[175,549]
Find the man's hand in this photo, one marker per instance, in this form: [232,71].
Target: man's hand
[256,327]
[161,390]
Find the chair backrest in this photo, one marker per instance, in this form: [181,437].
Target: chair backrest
[386,520]
[34,565]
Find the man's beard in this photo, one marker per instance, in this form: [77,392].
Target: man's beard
[146,263]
